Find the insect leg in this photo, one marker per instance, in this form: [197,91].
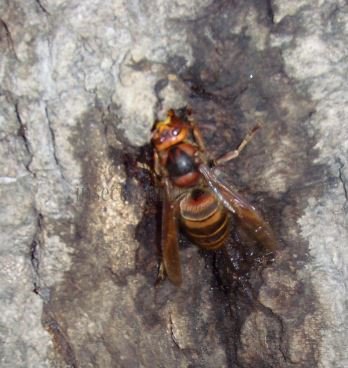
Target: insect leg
[235,153]
[161,276]
[144,166]
[198,137]
[157,166]
[157,172]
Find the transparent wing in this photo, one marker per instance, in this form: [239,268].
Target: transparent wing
[249,218]
[169,238]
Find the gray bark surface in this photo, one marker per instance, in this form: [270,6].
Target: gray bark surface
[82,83]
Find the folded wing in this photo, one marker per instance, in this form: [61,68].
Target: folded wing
[248,217]
[169,238]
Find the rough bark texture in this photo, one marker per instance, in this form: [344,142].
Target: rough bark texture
[81,85]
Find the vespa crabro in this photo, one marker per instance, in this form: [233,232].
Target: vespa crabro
[194,199]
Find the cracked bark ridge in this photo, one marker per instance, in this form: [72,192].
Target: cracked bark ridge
[81,84]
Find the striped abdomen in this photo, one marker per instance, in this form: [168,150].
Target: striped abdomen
[204,219]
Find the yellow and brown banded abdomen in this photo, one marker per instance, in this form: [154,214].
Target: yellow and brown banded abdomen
[204,219]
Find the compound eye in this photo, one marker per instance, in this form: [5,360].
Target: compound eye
[176,132]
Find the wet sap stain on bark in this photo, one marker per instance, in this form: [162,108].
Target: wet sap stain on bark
[220,299]
[226,103]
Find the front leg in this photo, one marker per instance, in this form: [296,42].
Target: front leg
[198,137]
[235,153]
[159,171]
[200,143]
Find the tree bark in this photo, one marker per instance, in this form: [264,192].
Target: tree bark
[81,86]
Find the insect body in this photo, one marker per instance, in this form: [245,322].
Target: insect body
[205,220]
[194,198]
